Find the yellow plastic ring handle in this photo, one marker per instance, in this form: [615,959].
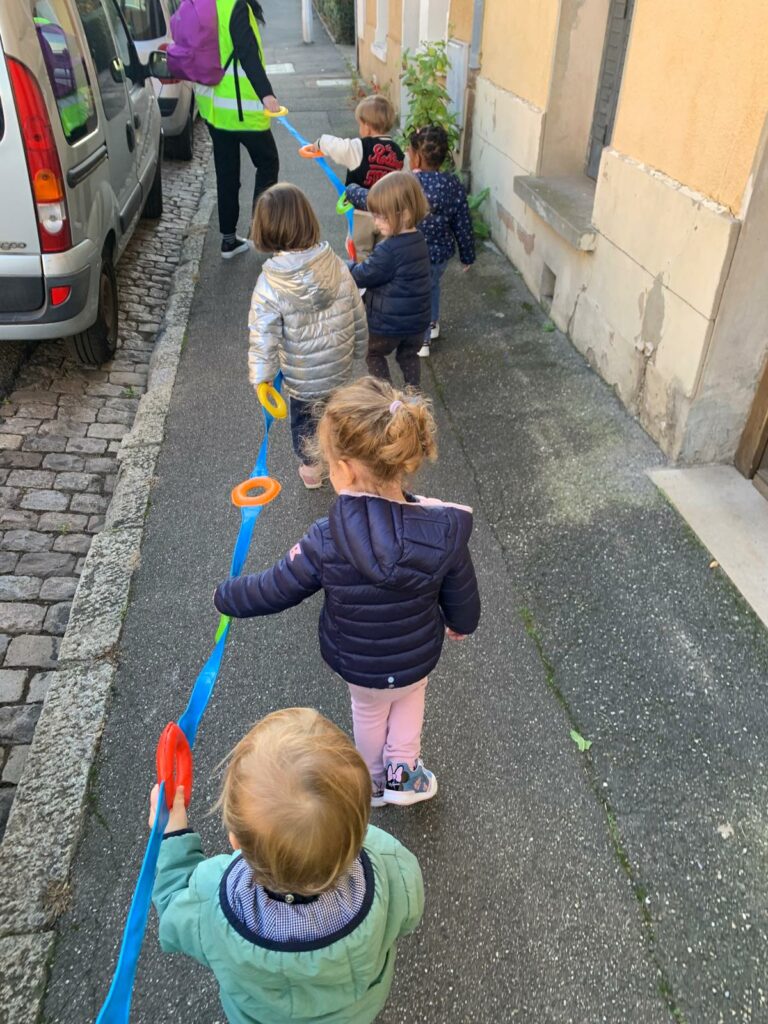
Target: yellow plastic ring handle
[272,400]
[242,499]
[276,113]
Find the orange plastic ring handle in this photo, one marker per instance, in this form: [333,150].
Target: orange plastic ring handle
[311,152]
[272,400]
[173,761]
[242,499]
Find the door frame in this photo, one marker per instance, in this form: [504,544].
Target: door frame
[754,441]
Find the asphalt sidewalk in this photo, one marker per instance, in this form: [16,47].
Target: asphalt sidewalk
[624,884]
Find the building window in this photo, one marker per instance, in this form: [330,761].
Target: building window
[379,45]
[609,84]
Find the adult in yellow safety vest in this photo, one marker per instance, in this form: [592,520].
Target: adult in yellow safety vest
[234,113]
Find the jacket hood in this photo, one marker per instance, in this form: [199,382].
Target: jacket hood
[397,544]
[310,278]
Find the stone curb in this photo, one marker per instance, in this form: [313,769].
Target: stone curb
[46,818]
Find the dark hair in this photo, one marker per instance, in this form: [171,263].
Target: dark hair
[431,143]
[257,11]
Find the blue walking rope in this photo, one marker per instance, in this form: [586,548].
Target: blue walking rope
[343,206]
[117,1005]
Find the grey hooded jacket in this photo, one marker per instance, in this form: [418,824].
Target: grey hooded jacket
[308,320]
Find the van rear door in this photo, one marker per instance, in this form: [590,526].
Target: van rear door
[21,271]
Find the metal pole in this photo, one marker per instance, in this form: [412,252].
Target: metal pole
[306,20]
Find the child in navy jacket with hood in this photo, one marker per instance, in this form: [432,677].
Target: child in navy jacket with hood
[396,572]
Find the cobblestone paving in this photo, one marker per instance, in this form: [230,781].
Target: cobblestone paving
[60,431]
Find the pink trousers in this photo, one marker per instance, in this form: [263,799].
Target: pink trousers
[387,725]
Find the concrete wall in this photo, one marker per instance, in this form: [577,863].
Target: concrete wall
[695,92]
[642,306]
[573,86]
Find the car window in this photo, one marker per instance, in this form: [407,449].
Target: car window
[144,19]
[173,6]
[109,63]
[66,68]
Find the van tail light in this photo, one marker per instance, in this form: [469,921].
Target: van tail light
[168,81]
[43,162]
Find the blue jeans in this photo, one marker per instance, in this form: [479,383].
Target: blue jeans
[437,270]
[302,426]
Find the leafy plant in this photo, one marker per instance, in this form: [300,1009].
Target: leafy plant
[479,227]
[428,101]
[339,17]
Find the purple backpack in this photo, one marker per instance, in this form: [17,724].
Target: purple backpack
[194,53]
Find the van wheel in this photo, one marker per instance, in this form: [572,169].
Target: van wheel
[153,208]
[97,344]
[180,147]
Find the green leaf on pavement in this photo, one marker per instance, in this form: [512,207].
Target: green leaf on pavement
[580,742]
[549,327]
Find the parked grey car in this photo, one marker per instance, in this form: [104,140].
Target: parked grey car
[80,159]
[149,22]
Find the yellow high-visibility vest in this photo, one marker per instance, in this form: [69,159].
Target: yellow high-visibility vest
[219,104]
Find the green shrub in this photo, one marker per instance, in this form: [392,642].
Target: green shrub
[339,16]
[424,77]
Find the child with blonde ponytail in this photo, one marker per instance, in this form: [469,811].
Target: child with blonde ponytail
[396,571]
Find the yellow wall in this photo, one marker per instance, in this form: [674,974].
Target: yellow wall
[518,42]
[695,92]
[460,20]
[386,73]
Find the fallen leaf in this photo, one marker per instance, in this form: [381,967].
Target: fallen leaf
[579,740]
[714,564]
[549,327]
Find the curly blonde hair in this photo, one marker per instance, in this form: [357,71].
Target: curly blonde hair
[297,797]
[389,432]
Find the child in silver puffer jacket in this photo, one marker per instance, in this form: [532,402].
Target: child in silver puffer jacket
[307,318]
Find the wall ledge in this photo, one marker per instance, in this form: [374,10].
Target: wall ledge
[566,204]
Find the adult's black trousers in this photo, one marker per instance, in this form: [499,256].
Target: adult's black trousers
[226,158]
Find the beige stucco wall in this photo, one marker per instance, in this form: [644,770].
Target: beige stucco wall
[695,92]
[641,307]
[384,72]
[460,20]
[518,43]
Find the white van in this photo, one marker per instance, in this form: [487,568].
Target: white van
[149,22]
[80,159]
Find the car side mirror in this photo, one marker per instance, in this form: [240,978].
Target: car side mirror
[157,66]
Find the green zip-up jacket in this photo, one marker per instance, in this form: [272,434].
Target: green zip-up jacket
[343,979]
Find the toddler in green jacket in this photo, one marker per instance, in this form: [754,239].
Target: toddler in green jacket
[301,922]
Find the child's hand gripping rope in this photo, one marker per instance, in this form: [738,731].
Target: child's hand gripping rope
[310,151]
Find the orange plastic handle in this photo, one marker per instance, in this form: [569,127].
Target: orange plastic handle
[242,499]
[173,761]
[311,152]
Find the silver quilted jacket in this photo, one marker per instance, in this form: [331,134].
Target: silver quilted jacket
[308,320]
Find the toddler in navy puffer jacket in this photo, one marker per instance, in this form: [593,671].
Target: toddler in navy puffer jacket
[396,277]
[396,572]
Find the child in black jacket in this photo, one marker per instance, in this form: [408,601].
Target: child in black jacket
[396,277]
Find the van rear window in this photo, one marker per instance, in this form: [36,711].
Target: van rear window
[66,68]
[144,19]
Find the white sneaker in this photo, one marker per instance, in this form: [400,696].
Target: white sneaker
[377,796]
[407,786]
[434,330]
[424,350]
